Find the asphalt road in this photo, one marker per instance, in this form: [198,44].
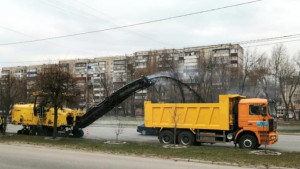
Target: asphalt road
[286,143]
[34,157]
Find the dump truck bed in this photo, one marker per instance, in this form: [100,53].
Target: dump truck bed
[210,116]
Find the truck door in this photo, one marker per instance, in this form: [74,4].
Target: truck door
[256,113]
[253,117]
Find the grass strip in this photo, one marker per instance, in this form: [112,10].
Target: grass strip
[289,131]
[289,123]
[208,153]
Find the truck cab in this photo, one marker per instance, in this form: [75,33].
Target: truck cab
[256,123]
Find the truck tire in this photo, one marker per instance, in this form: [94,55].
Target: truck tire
[186,138]
[20,132]
[166,137]
[143,132]
[248,141]
[78,133]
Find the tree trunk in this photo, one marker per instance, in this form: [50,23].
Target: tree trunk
[132,105]
[4,124]
[55,122]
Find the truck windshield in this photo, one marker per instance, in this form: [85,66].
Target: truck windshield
[272,110]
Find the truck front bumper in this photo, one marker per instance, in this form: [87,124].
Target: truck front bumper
[273,137]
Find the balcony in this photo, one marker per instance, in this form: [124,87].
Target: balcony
[233,54]
[82,64]
[190,61]
[140,67]
[5,72]
[191,57]
[190,64]
[140,60]
[234,62]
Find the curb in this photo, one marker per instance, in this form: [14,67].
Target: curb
[228,164]
[294,134]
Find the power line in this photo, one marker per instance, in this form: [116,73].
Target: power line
[130,25]
[115,24]
[17,32]
[266,44]
[214,46]
[269,39]
[51,43]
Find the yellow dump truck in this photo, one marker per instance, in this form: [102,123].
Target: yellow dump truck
[247,122]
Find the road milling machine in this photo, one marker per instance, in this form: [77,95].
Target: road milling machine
[39,120]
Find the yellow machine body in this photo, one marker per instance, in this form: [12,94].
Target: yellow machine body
[23,114]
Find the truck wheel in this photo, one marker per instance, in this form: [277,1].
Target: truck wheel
[248,142]
[19,132]
[78,133]
[144,132]
[186,138]
[166,137]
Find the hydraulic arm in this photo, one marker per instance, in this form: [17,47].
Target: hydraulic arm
[95,112]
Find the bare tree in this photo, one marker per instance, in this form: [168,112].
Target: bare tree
[119,130]
[289,79]
[204,79]
[106,84]
[250,59]
[279,53]
[259,77]
[286,77]
[58,86]
[175,118]
[12,90]
[297,61]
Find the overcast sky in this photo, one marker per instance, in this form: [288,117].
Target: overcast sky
[22,20]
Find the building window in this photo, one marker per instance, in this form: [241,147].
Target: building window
[82,64]
[234,51]
[19,71]
[140,57]
[119,62]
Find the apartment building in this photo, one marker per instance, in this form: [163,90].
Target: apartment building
[99,77]
[186,64]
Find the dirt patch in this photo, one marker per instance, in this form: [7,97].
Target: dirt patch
[263,152]
[115,142]
[172,146]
